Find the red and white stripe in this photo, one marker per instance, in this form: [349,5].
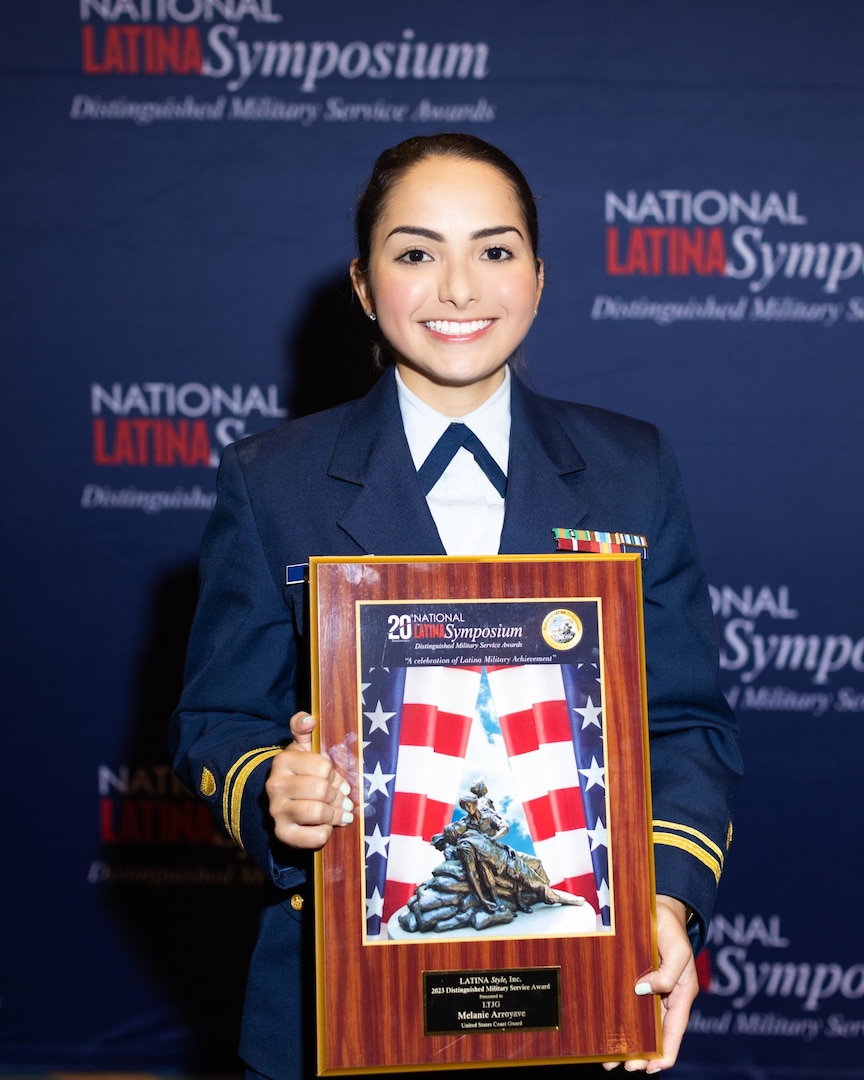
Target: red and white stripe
[437,713]
[533,713]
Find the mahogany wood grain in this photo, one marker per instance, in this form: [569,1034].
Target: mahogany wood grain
[370,1000]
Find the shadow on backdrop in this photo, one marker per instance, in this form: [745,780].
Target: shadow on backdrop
[329,354]
[195,932]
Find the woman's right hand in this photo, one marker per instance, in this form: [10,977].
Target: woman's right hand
[308,797]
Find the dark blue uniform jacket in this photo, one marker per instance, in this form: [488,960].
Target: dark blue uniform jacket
[342,482]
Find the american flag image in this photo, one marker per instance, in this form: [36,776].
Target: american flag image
[534,732]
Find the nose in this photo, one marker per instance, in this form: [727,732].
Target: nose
[457,285]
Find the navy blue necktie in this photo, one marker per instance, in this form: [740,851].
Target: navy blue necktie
[443,452]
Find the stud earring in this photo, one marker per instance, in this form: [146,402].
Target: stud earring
[371,315]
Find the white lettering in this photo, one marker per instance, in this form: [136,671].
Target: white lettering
[313,62]
[181,11]
[708,207]
[187,399]
[827,262]
[743,980]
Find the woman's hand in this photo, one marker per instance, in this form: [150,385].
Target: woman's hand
[308,797]
[675,981]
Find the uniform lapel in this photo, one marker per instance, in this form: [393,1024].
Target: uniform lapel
[545,477]
[388,515]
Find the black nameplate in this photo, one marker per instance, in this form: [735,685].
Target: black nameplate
[474,1002]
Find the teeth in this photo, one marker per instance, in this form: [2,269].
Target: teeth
[458,329]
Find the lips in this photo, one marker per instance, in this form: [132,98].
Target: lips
[457,329]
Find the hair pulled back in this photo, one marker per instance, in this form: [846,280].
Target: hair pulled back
[395,162]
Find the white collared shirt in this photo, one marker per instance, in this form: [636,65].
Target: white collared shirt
[467,510]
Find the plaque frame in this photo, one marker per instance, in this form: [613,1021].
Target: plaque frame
[370,1003]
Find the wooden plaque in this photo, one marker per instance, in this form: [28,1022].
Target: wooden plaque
[490,715]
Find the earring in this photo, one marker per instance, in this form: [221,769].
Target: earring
[371,315]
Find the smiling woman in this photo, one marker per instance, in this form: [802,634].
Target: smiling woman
[452,279]
[448,454]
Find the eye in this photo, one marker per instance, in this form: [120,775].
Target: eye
[414,255]
[497,254]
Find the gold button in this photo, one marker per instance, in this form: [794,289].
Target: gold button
[297,902]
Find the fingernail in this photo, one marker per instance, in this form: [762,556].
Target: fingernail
[643,989]
[347,818]
[345,788]
[347,804]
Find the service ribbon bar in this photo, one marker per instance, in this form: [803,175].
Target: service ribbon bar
[603,543]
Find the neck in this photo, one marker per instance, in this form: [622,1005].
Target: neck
[450,399]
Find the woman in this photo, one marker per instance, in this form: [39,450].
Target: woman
[448,268]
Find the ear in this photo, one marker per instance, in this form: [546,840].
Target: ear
[360,281]
[540,281]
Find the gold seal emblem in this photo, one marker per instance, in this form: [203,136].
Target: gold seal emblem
[562,629]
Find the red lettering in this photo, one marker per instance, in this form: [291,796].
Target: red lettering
[88,51]
[100,453]
[613,266]
[124,446]
[715,262]
[200,449]
[152,442]
[106,822]
[192,59]
[637,256]
[177,49]
[691,251]
[154,821]
[655,237]
[148,50]
[654,251]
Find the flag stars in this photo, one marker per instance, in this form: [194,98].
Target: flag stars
[594,774]
[374,904]
[376,844]
[590,714]
[378,781]
[378,719]
[598,836]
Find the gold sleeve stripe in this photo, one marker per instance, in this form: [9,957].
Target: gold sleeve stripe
[706,840]
[692,849]
[226,791]
[235,782]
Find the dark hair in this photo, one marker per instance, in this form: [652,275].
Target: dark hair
[392,165]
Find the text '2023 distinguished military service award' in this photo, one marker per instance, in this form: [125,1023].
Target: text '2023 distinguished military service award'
[493,899]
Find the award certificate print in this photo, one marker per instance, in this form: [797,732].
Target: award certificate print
[482,738]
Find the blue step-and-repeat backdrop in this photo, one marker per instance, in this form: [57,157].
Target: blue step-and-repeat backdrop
[177,188]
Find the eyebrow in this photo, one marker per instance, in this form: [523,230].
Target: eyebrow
[429,234]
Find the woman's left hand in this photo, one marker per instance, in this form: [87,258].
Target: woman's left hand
[675,981]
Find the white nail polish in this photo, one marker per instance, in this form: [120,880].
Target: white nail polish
[347,818]
[345,788]
[347,804]
[643,989]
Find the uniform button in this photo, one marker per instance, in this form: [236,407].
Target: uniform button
[297,902]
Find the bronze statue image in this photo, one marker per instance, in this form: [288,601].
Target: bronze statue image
[482,881]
